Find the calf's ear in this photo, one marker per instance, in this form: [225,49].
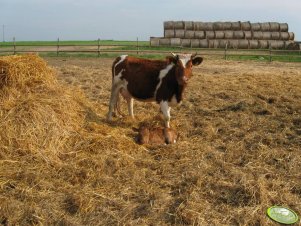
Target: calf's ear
[197,61]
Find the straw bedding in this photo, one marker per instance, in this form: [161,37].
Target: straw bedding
[61,163]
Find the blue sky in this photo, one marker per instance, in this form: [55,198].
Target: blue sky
[128,19]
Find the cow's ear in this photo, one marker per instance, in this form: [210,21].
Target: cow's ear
[172,59]
[197,61]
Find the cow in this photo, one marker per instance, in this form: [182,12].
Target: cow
[162,81]
[155,135]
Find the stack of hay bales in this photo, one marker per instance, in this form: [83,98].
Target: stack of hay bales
[237,35]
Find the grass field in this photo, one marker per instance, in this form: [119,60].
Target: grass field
[62,163]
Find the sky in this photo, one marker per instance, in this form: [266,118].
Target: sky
[33,20]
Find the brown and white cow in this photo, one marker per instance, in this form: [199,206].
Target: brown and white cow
[163,81]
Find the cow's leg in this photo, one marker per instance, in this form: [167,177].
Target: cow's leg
[113,100]
[166,112]
[130,102]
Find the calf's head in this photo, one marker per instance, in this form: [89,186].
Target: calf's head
[183,66]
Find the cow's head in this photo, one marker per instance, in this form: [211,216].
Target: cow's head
[184,63]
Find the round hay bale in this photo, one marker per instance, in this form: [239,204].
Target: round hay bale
[210,34]
[243,44]
[175,42]
[255,27]
[188,25]
[265,26]
[283,27]
[164,42]
[199,26]
[219,34]
[186,43]
[276,44]
[238,34]
[154,41]
[263,44]
[275,35]
[236,26]
[204,43]
[257,35]
[223,43]
[233,44]
[246,26]
[291,45]
[266,35]
[253,44]
[248,34]
[291,36]
[195,43]
[168,25]
[179,33]
[219,26]
[189,34]
[213,44]
[199,34]
[274,26]
[178,25]
[284,36]
[169,33]
[229,34]
[209,26]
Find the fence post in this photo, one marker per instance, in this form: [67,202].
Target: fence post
[14,40]
[226,51]
[137,47]
[98,47]
[58,46]
[270,54]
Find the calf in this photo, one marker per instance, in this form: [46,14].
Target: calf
[156,135]
[163,81]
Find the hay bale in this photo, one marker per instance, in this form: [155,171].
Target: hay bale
[204,43]
[186,43]
[263,44]
[284,36]
[168,25]
[178,25]
[283,27]
[219,34]
[255,26]
[248,34]
[175,42]
[189,34]
[246,26]
[37,115]
[210,34]
[169,33]
[258,35]
[164,42]
[276,44]
[221,26]
[265,26]
[266,35]
[291,45]
[238,35]
[195,43]
[243,44]
[180,33]
[233,44]
[154,41]
[236,26]
[199,34]
[199,26]
[214,44]
[291,36]
[223,43]
[274,26]
[209,26]
[275,35]
[188,25]
[229,34]
[253,44]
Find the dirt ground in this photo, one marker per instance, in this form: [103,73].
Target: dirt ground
[238,153]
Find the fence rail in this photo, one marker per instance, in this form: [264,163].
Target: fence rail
[98,49]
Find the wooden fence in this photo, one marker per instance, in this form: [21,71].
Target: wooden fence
[60,49]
